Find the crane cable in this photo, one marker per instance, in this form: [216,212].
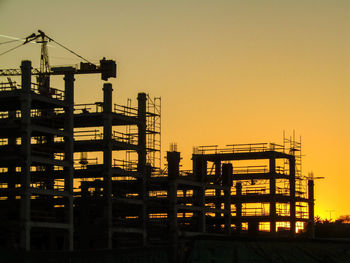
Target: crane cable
[71,51]
[3,53]
[10,41]
[50,39]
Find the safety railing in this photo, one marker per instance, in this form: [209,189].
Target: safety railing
[88,135]
[125,138]
[248,211]
[283,191]
[184,193]
[51,92]
[98,135]
[7,86]
[158,194]
[82,163]
[302,214]
[282,170]
[238,148]
[59,156]
[125,110]
[96,107]
[158,216]
[282,211]
[125,165]
[250,169]
[254,190]
[57,184]
[210,192]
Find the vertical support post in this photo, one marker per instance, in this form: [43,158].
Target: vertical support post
[200,172]
[26,101]
[292,195]
[217,194]
[141,165]
[311,202]
[84,216]
[273,215]
[107,160]
[227,183]
[49,184]
[238,207]
[68,152]
[173,159]
[12,179]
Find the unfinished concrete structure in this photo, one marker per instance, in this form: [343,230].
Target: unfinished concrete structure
[268,192]
[40,132]
[32,197]
[88,176]
[241,190]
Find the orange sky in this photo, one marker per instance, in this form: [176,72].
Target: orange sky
[227,71]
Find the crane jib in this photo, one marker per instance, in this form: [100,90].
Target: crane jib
[107,69]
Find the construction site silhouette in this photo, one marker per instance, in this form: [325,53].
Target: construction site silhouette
[89,177]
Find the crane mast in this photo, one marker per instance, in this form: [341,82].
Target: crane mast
[44,76]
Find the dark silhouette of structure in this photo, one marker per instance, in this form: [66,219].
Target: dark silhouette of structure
[53,196]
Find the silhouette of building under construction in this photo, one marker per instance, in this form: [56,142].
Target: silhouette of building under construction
[89,176]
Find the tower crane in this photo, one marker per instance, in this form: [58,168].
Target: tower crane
[107,68]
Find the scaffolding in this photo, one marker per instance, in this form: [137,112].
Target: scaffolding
[154,132]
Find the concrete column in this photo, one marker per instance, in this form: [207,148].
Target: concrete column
[292,195]
[199,168]
[85,236]
[107,160]
[200,172]
[273,215]
[68,151]
[239,207]
[142,155]
[173,159]
[11,180]
[26,101]
[217,194]
[311,202]
[227,183]
[12,208]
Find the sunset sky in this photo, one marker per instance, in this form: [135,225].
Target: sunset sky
[227,71]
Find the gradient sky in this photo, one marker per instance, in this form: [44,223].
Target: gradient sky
[227,71]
